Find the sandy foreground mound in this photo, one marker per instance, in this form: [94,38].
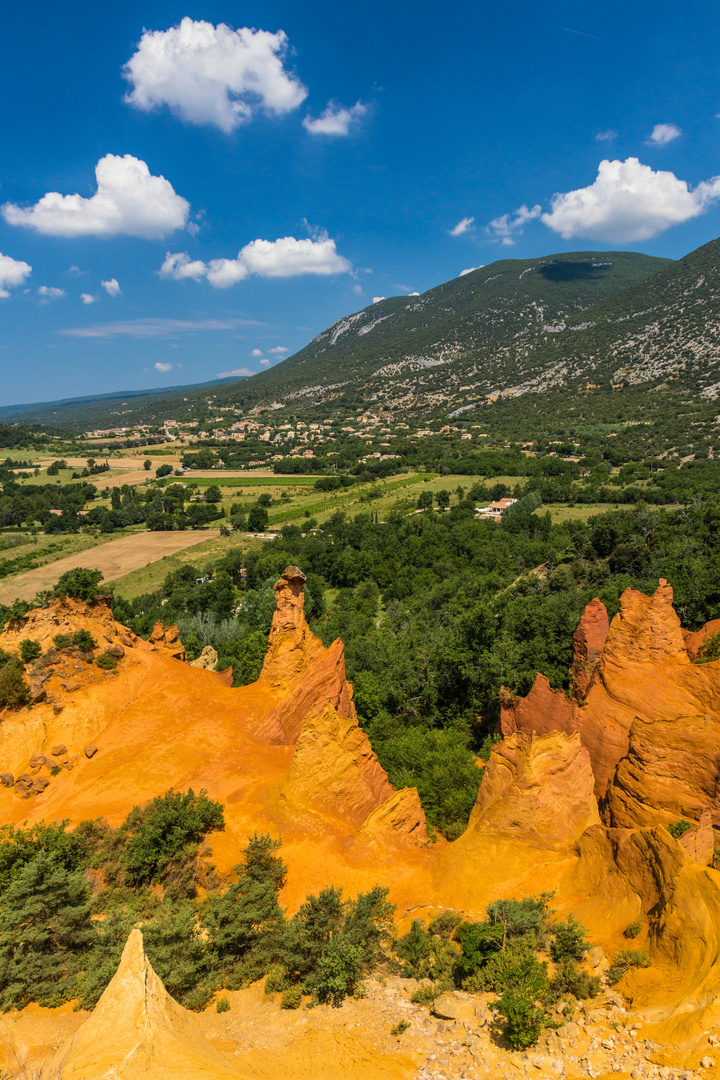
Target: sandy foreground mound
[576,799]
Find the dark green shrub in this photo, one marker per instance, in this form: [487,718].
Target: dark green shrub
[400,1028]
[222,1005]
[14,691]
[569,942]
[106,662]
[29,650]
[338,972]
[679,828]
[633,929]
[83,640]
[627,960]
[63,641]
[80,584]
[425,995]
[164,836]
[710,650]
[291,998]
[276,981]
[414,948]
[524,1021]
[570,978]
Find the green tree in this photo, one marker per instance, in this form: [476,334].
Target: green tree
[213,494]
[442,498]
[164,838]
[425,500]
[257,518]
[80,584]
[246,922]
[45,929]
[147,464]
[163,470]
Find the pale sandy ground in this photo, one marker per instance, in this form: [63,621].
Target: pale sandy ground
[355,1042]
[115,559]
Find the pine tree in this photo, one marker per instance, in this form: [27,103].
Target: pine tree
[45,928]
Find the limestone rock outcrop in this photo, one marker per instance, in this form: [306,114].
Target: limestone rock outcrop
[208,659]
[138,1032]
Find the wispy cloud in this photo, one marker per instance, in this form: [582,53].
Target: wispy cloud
[154,328]
[606,136]
[164,368]
[662,134]
[237,372]
[335,120]
[502,228]
[462,226]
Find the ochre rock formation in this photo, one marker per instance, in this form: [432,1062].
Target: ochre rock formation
[694,642]
[284,755]
[576,799]
[138,1032]
[588,643]
[527,780]
[648,716]
[334,769]
[542,711]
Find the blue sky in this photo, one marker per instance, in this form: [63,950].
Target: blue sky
[232,178]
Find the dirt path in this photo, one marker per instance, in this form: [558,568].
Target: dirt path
[115,559]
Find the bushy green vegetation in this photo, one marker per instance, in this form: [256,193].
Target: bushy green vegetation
[500,955]
[149,869]
[438,611]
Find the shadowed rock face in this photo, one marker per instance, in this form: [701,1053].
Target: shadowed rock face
[138,1032]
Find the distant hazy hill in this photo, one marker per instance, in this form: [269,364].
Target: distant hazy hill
[473,333]
[602,328]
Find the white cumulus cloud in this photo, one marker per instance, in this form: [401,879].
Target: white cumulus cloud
[50,292]
[335,120]
[286,257]
[377,299]
[256,352]
[662,134]
[163,367]
[129,200]
[462,226]
[111,287]
[279,350]
[212,74]
[468,271]
[502,228]
[87,298]
[265,363]
[12,272]
[628,201]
